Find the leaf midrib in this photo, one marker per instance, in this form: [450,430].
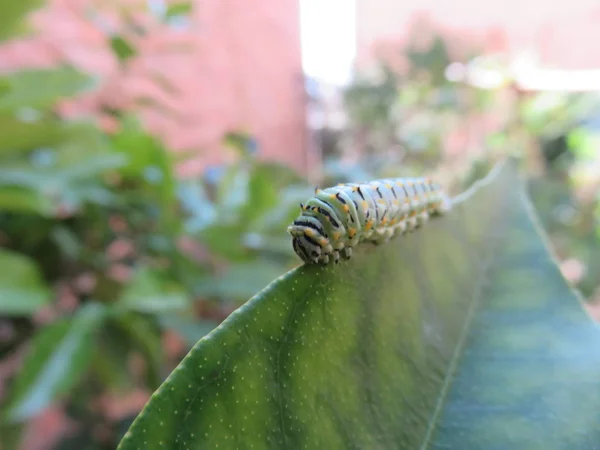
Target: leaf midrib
[496,238]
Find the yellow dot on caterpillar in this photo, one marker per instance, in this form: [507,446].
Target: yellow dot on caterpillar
[396,202]
[323,241]
[346,208]
[388,185]
[406,200]
[368,225]
[309,232]
[399,183]
[335,235]
[384,221]
[351,232]
[382,201]
[332,196]
[365,205]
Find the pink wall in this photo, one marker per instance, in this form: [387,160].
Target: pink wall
[236,66]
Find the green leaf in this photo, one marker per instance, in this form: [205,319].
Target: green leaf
[148,160]
[179,9]
[22,289]
[145,337]
[40,89]
[13,14]
[18,135]
[123,49]
[462,335]
[150,291]
[23,201]
[59,354]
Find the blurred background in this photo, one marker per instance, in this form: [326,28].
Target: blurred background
[153,152]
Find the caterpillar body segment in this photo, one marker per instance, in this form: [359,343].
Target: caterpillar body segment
[338,218]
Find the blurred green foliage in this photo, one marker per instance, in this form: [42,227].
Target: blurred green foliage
[430,116]
[105,251]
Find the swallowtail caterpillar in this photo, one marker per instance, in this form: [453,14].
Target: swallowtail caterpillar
[338,218]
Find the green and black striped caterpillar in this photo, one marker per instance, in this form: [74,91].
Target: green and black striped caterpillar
[338,218]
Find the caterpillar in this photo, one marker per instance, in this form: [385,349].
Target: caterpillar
[338,218]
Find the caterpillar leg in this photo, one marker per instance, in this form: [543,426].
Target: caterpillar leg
[422,219]
[346,252]
[336,256]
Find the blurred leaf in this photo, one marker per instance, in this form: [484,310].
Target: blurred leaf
[265,186]
[59,355]
[23,201]
[462,335]
[242,143]
[12,435]
[434,60]
[190,329]
[199,210]
[273,244]
[240,281]
[145,338]
[151,291]
[110,359]
[69,175]
[148,160]
[225,240]
[179,9]
[585,144]
[22,289]
[18,135]
[13,14]
[232,192]
[40,89]
[66,240]
[122,48]
[286,210]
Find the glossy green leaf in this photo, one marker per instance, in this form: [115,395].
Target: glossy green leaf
[58,356]
[462,335]
[13,14]
[22,289]
[149,291]
[41,88]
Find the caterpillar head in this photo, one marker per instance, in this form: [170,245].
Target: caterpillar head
[307,251]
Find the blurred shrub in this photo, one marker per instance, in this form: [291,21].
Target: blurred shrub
[444,109]
[110,266]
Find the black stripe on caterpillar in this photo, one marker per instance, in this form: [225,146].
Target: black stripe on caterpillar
[338,218]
